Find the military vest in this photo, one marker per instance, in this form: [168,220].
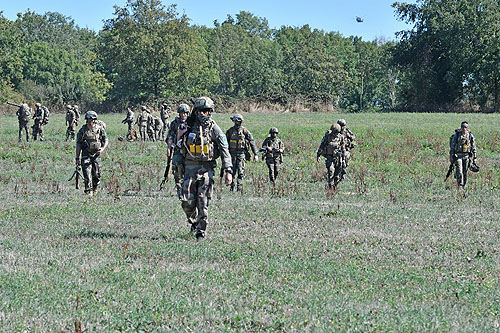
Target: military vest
[24,115]
[143,118]
[275,144]
[237,138]
[333,143]
[39,114]
[463,143]
[70,115]
[198,144]
[92,139]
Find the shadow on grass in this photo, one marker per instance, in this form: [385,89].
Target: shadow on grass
[113,235]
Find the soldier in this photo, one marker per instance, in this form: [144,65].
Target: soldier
[71,122]
[129,120]
[332,147]
[150,127]
[76,110]
[23,117]
[239,141]
[177,128]
[462,147]
[158,128]
[202,144]
[142,120]
[349,138]
[273,149]
[39,117]
[165,115]
[91,142]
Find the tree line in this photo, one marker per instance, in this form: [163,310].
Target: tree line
[149,53]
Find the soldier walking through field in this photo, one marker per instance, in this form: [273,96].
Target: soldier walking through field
[129,120]
[462,148]
[157,128]
[332,147]
[177,129]
[23,117]
[91,142]
[273,151]
[71,121]
[142,121]
[164,115]
[202,144]
[240,141]
[40,117]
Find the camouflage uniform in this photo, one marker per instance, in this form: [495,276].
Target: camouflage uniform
[142,120]
[462,147]
[332,147]
[158,128]
[239,139]
[89,141]
[76,110]
[71,122]
[273,149]
[203,143]
[165,115]
[129,120]
[349,138]
[150,127]
[177,127]
[23,117]
[39,117]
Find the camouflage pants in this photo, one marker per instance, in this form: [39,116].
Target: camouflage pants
[197,189]
[130,127]
[178,169]
[23,125]
[273,164]
[91,169]
[70,132]
[238,161]
[142,133]
[334,170]
[166,125]
[461,167]
[158,134]
[38,130]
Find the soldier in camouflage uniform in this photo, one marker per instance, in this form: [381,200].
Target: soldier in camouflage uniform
[150,127]
[157,127]
[202,144]
[129,120]
[273,150]
[91,142]
[23,117]
[175,132]
[71,122]
[164,115]
[462,147]
[142,121]
[76,110]
[332,147]
[240,140]
[39,117]
[349,138]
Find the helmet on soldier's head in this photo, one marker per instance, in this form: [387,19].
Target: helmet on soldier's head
[69,107]
[335,128]
[183,108]
[464,124]
[75,107]
[91,115]
[143,107]
[341,122]
[237,117]
[204,103]
[273,130]
[38,105]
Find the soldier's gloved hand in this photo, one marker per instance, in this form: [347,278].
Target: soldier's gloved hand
[318,159]
[256,158]
[100,150]
[228,179]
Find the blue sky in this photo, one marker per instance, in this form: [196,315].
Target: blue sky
[333,15]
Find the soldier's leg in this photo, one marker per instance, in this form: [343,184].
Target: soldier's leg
[188,200]
[330,168]
[20,132]
[35,131]
[40,132]
[27,132]
[96,172]
[234,162]
[270,166]
[87,174]
[459,171]
[241,172]
[205,185]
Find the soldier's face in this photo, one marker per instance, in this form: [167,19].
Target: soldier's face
[90,122]
[183,115]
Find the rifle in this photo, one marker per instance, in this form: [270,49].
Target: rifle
[77,173]
[450,169]
[14,104]
[167,168]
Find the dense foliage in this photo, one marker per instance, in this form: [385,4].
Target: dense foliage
[147,52]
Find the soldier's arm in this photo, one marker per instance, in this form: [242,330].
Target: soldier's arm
[473,146]
[452,144]
[251,141]
[221,142]
[104,140]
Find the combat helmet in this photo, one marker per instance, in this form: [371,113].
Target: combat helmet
[341,122]
[69,107]
[237,117]
[183,108]
[203,103]
[335,128]
[273,130]
[91,115]
[38,105]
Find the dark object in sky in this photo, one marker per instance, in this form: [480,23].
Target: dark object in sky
[359,19]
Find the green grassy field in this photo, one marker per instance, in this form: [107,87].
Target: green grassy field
[395,249]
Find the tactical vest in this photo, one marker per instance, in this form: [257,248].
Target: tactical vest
[463,143]
[198,144]
[25,115]
[92,139]
[333,143]
[70,115]
[143,118]
[275,145]
[46,115]
[237,139]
